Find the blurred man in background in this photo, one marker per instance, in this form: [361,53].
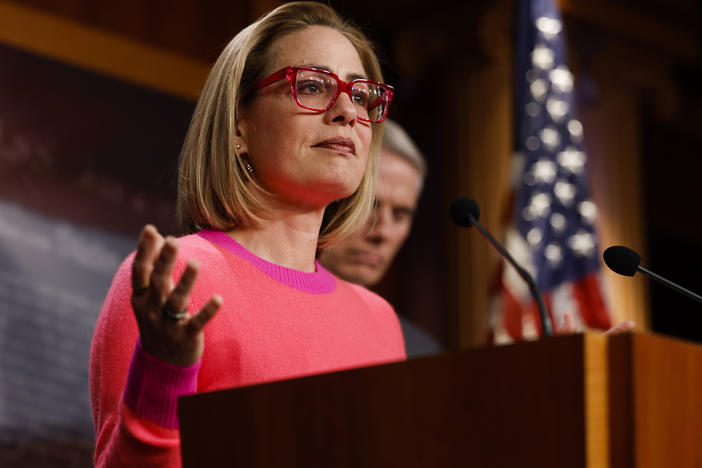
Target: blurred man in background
[366,255]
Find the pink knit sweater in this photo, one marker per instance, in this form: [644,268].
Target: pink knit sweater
[276,323]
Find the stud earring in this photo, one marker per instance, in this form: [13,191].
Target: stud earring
[238,146]
[249,167]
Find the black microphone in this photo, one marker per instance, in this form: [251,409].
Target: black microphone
[465,213]
[626,262]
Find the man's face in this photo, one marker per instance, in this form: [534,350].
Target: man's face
[366,255]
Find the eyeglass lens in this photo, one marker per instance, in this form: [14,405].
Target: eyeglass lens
[316,90]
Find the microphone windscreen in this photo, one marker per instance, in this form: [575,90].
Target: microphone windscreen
[463,209]
[621,260]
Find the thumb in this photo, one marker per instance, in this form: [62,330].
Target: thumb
[569,323]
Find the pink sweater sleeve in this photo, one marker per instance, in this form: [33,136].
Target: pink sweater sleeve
[133,395]
[153,387]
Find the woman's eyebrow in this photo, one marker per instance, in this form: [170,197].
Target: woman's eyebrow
[355,76]
[349,77]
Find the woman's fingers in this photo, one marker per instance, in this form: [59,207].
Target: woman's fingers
[198,321]
[177,302]
[148,247]
[570,325]
[622,327]
[160,282]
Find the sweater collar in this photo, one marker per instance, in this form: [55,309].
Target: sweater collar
[318,282]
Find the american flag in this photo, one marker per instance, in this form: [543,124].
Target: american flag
[552,230]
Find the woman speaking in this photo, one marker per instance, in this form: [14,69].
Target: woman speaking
[279,161]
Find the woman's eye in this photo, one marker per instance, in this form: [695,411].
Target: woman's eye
[310,87]
[360,97]
[402,215]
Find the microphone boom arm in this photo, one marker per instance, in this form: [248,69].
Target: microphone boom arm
[546,327]
[670,284]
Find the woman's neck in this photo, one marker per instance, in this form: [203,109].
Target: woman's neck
[286,238]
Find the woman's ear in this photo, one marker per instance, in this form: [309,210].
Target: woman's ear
[241,133]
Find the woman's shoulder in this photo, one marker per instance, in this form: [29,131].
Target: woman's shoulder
[195,243]
[203,247]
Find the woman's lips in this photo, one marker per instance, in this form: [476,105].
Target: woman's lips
[338,144]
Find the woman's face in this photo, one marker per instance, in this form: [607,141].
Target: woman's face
[307,159]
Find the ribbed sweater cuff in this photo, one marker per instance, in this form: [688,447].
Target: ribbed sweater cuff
[153,387]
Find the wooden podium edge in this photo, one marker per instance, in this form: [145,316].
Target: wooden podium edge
[596,369]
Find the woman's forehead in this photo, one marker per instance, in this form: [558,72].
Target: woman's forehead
[319,47]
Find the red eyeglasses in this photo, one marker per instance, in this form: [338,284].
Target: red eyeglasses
[317,90]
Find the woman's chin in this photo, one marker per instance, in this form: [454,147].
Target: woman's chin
[338,191]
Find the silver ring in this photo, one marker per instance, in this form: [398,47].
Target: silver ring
[169,314]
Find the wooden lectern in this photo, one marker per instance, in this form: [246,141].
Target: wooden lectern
[632,400]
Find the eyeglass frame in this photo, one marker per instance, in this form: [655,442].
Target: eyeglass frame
[290,73]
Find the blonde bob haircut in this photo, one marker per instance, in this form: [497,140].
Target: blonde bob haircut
[214,188]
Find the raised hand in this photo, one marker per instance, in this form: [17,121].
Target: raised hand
[621,327]
[571,326]
[167,331]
